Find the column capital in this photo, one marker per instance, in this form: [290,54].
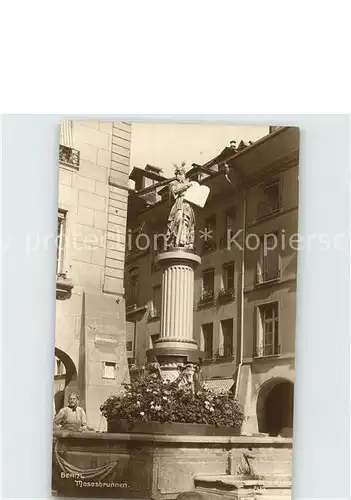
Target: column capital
[178,257]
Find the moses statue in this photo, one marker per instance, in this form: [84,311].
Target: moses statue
[181,220]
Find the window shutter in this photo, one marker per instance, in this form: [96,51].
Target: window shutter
[258,332]
[130,330]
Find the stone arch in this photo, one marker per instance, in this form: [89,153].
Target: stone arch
[61,382]
[274,407]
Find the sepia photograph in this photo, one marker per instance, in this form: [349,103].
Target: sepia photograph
[176,273]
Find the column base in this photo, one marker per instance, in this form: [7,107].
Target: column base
[183,355]
[172,364]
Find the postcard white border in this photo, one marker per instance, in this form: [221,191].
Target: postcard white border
[29,200]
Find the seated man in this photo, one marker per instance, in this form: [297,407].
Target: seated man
[72,417]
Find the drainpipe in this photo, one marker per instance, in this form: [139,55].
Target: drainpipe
[242,282]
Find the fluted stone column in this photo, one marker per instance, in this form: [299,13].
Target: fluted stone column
[176,344]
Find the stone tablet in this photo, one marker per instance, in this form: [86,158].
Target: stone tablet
[197,195]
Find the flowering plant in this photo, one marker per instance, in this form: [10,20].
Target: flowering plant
[150,398]
[226,293]
[206,296]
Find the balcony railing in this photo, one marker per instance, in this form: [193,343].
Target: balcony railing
[64,286]
[267,275]
[207,297]
[226,294]
[208,355]
[69,156]
[263,350]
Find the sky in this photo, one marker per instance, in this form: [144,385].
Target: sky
[162,145]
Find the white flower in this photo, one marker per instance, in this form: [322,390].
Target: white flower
[211,409]
[207,403]
[158,408]
[152,403]
[148,390]
[164,397]
[138,403]
[142,413]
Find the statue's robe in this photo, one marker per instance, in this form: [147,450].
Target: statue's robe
[181,219]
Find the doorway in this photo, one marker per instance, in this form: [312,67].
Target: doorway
[275,408]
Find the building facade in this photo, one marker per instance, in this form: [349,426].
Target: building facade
[90,340]
[245,287]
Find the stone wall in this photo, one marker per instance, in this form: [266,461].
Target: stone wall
[90,321]
[160,467]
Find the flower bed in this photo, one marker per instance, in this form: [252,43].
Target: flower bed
[152,400]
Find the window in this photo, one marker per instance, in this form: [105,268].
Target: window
[268,330]
[268,266]
[131,362]
[207,340]
[230,216]
[132,288]
[134,284]
[160,242]
[271,202]
[156,301]
[61,229]
[130,337]
[109,370]
[228,276]
[227,291]
[159,245]
[59,368]
[227,337]
[209,239]
[207,293]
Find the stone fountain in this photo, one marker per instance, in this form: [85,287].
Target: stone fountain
[176,350]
